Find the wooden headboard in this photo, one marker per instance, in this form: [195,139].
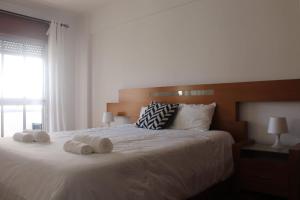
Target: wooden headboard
[226,95]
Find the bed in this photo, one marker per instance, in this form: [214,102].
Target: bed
[145,164]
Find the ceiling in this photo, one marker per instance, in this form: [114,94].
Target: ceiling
[71,5]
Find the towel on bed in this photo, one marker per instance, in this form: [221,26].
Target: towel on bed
[100,145]
[78,147]
[23,137]
[39,135]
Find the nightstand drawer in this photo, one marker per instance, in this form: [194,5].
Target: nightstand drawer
[266,176]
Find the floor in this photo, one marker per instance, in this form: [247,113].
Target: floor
[242,196]
[224,191]
[255,196]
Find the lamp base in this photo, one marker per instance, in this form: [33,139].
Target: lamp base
[277,144]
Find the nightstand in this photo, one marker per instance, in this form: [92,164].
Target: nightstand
[261,168]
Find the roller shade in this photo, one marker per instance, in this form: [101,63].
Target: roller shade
[18,26]
[23,47]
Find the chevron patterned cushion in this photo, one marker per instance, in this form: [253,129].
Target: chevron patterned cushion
[157,116]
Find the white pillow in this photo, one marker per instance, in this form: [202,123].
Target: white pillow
[194,117]
[143,109]
[120,120]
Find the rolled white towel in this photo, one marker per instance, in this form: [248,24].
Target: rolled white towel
[100,145]
[78,147]
[23,137]
[39,136]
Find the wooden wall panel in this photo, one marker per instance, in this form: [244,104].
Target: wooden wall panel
[228,96]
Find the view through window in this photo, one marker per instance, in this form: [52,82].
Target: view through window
[22,92]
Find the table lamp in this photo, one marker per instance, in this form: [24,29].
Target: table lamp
[107,118]
[277,126]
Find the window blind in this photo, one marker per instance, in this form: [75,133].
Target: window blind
[11,24]
[27,48]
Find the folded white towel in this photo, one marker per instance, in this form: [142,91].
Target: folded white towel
[23,137]
[100,145]
[78,147]
[39,136]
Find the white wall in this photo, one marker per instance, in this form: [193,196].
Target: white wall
[48,13]
[172,42]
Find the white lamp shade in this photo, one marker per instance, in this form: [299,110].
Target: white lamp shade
[107,117]
[277,125]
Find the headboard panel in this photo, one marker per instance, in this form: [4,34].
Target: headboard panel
[226,95]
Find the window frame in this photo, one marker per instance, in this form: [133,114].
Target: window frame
[24,101]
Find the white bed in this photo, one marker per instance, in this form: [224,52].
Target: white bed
[145,164]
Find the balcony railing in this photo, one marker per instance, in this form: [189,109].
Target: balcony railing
[15,118]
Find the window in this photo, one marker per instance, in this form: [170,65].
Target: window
[22,94]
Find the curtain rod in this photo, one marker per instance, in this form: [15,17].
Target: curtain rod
[30,18]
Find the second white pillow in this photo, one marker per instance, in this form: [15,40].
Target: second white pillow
[194,117]
[142,111]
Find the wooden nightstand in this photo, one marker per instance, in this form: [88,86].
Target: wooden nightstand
[260,168]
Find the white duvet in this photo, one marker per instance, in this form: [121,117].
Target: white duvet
[145,164]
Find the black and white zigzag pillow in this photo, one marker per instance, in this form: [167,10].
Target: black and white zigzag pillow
[157,116]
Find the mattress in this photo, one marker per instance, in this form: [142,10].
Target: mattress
[145,164]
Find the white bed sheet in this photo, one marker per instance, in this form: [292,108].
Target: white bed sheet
[145,164]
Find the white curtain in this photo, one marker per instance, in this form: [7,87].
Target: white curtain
[55,77]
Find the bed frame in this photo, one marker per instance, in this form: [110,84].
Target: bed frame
[228,97]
